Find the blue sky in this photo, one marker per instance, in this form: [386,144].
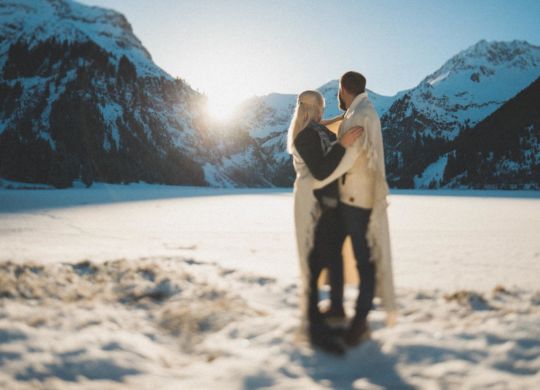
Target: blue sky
[239,48]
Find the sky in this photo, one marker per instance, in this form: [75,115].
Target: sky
[234,49]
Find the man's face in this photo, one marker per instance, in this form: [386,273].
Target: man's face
[342,104]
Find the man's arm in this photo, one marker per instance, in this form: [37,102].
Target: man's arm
[351,154]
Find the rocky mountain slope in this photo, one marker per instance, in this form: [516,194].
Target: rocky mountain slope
[81,99]
[502,151]
[420,126]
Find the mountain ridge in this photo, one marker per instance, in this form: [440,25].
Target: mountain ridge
[420,123]
[81,98]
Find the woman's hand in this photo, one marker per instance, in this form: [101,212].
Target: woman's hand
[350,136]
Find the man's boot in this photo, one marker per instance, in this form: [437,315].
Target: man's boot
[358,331]
[326,339]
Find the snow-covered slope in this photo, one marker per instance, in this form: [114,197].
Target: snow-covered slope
[478,80]
[65,20]
[81,98]
[466,89]
[472,84]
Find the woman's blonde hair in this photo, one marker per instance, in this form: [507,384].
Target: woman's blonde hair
[309,106]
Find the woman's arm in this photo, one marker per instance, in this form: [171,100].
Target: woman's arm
[326,122]
[320,164]
[308,145]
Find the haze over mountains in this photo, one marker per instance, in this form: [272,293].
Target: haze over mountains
[81,99]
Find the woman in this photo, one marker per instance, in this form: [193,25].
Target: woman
[315,156]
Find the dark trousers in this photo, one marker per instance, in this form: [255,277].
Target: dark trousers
[326,253]
[354,221]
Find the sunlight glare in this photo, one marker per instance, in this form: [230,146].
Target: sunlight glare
[228,79]
[221,108]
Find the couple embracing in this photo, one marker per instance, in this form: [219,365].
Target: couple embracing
[340,190]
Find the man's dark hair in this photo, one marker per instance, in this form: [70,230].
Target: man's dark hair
[353,82]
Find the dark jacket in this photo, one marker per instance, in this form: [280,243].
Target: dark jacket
[317,147]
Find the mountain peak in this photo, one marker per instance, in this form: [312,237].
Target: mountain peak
[36,21]
[484,59]
[506,49]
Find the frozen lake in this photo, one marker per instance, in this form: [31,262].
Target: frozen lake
[201,292]
[444,239]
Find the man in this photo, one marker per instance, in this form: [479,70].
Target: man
[362,204]
[356,198]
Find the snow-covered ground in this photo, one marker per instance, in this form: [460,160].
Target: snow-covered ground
[146,286]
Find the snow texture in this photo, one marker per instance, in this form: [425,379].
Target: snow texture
[148,286]
[475,82]
[432,174]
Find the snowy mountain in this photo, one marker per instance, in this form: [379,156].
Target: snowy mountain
[82,99]
[265,115]
[421,124]
[257,155]
[330,91]
[66,20]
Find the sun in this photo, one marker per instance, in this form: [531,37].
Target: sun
[228,80]
[222,108]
